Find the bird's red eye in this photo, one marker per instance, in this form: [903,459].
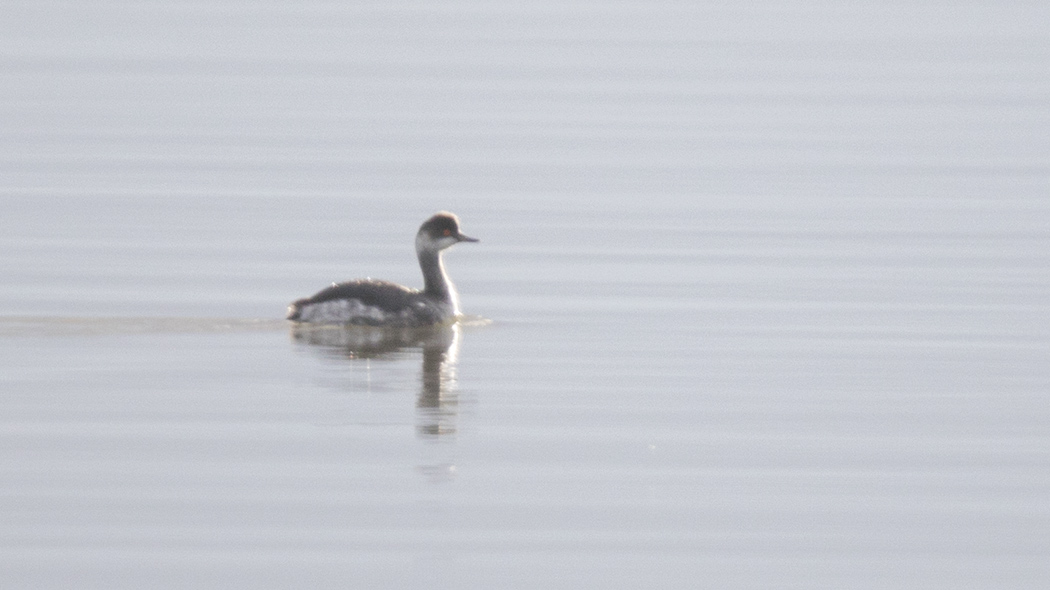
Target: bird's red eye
[447,232]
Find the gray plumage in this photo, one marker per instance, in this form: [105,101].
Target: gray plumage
[382,303]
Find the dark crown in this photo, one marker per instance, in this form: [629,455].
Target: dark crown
[439,223]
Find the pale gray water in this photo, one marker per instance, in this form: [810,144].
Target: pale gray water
[763,295]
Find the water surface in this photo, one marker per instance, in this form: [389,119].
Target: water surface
[760,301]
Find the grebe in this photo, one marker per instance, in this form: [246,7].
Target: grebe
[382,303]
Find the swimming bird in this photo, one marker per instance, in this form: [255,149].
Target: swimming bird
[382,303]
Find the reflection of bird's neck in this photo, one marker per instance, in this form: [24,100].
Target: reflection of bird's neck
[437,397]
[433,378]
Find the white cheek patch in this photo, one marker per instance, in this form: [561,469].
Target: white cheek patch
[426,243]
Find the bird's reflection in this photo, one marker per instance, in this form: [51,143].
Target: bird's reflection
[437,400]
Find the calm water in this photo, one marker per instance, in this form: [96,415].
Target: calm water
[762,298]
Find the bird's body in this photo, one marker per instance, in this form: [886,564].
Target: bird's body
[382,303]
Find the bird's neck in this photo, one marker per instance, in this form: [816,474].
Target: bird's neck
[435,282]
